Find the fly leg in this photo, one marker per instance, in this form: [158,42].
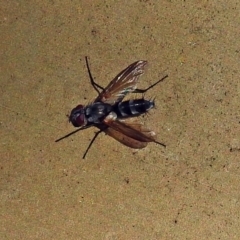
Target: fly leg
[73,132]
[90,144]
[153,85]
[93,83]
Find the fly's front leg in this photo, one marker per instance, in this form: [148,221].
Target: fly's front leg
[93,83]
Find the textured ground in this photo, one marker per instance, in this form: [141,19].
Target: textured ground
[190,190]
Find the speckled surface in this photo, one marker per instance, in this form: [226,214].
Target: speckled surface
[190,190]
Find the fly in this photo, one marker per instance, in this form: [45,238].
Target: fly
[110,114]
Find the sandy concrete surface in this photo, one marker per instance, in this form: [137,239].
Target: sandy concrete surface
[190,190]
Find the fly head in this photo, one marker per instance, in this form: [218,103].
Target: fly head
[77,116]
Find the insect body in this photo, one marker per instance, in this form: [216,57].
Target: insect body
[96,112]
[111,115]
[89,115]
[133,108]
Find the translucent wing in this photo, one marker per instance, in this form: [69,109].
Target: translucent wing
[124,139]
[125,82]
[132,130]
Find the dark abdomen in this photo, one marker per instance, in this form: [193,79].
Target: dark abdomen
[133,108]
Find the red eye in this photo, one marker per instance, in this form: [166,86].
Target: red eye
[80,120]
[77,116]
[78,107]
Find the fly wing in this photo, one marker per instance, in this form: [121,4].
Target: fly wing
[133,130]
[124,139]
[125,82]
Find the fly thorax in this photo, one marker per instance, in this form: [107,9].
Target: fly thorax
[97,111]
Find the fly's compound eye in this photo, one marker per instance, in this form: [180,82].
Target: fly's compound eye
[77,116]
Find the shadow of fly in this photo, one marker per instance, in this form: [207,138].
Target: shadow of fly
[110,114]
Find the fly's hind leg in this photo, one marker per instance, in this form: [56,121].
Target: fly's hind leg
[153,85]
